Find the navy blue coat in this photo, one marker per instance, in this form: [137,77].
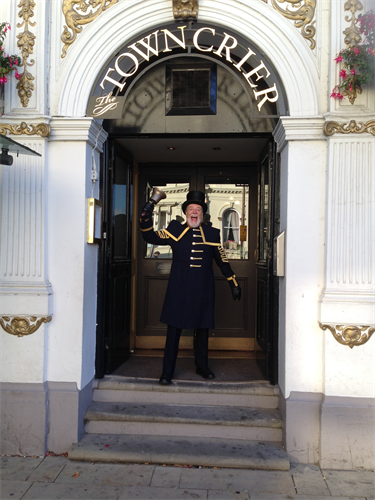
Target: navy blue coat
[190,296]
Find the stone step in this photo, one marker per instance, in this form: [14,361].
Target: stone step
[246,394]
[209,452]
[224,422]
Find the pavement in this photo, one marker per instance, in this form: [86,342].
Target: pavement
[56,477]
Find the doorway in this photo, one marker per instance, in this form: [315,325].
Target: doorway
[231,197]
[238,193]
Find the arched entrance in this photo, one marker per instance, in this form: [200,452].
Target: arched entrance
[292,62]
[196,116]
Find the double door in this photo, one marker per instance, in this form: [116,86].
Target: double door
[133,276]
[231,197]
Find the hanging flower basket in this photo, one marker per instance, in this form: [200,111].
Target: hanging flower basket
[8,64]
[358,62]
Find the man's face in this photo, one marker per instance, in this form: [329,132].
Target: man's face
[194,215]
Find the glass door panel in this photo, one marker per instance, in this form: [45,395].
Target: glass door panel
[165,211]
[228,204]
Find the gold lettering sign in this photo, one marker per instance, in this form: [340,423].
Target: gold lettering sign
[127,64]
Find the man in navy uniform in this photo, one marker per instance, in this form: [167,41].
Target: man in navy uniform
[189,300]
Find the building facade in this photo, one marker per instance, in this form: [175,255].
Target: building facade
[98,98]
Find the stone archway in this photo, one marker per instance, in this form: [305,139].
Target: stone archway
[275,36]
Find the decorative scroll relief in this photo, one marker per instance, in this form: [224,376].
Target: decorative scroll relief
[26,42]
[75,19]
[352,34]
[185,9]
[302,13]
[350,335]
[21,326]
[352,39]
[41,129]
[352,127]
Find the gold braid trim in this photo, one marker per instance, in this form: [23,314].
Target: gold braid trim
[223,255]
[234,279]
[148,229]
[206,242]
[164,234]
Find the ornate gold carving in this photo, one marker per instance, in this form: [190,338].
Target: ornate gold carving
[26,42]
[352,127]
[22,326]
[75,20]
[350,335]
[42,129]
[352,39]
[185,9]
[303,16]
[352,34]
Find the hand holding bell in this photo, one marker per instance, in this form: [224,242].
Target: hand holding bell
[156,196]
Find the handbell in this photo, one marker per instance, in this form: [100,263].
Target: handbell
[157,195]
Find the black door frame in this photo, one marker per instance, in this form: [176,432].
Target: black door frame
[271,368]
[112,349]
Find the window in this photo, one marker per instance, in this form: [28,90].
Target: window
[190,89]
[231,226]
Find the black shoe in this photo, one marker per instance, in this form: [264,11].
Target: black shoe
[205,373]
[165,379]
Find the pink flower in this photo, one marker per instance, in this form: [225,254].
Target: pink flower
[338,59]
[342,73]
[353,71]
[17,75]
[336,95]
[356,50]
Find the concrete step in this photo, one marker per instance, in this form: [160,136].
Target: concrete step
[224,422]
[246,394]
[209,452]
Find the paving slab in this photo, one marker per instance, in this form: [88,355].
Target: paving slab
[209,452]
[238,480]
[54,491]
[134,493]
[106,474]
[166,477]
[228,495]
[139,493]
[350,483]
[309,480]
[18,468]
[13,490]
[268,496]
[49,469]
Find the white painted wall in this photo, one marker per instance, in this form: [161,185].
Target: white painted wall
[309,358]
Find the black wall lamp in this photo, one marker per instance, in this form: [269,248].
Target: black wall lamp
[8,145]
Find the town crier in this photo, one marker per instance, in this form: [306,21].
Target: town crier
[190,296]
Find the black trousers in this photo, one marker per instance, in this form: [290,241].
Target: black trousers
[171,348]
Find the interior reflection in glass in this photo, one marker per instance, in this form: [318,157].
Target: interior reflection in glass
[227,211]
[165,211]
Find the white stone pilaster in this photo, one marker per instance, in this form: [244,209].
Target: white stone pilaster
[73,262]
[302,146]
[349,294]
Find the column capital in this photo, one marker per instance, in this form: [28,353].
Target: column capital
[289,128]
[79,129]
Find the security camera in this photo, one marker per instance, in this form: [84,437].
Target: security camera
[6,158]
